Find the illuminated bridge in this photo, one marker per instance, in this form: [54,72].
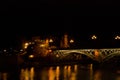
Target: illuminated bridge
[99,55]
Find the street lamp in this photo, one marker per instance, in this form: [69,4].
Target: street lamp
[51,44]
[26,45]
[94,41]
[71,41]
[94,37]
[51,40]
[117,37]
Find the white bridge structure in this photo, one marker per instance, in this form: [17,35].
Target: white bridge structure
[95,54]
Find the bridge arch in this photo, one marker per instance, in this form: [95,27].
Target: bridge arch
[99,55]
[112,61]
[109,57]
[68,52]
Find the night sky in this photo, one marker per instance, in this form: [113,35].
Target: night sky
[26,18]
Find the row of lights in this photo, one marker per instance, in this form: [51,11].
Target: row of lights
[95,37]
[42,45]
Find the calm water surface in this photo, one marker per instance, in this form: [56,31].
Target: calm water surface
[63,72]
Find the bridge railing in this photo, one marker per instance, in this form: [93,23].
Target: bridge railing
[95,54]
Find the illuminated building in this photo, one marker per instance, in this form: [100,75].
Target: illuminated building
[64,41]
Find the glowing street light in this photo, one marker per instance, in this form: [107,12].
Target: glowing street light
[117,37]
[94,37]
[71,41]
[51,40]
[42,45]
[26,45]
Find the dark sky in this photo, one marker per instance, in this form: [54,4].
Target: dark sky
[25,18]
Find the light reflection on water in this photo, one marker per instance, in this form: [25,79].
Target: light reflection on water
[66,72]
[97,75]
[3,76]
[27,74]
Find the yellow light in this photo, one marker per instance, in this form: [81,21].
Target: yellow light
[42,45]
[94,37]
[71,41]
[50,40]
[31,56]
[26,45]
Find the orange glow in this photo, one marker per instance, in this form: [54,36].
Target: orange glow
[42,45]
[32,73]
[75,68]
[97,75]
[57,72]
[47,41]
[50,50]
[65,72]
[51,74]
[26,45]
[96,53]
[69,70]
[118,78]
[27,74]
[69,74]
[31,56]
[4,76]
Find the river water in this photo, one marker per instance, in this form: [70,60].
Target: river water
[59,72]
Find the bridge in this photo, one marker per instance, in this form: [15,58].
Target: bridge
[99,55]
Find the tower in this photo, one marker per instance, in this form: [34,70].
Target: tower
[64,41]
